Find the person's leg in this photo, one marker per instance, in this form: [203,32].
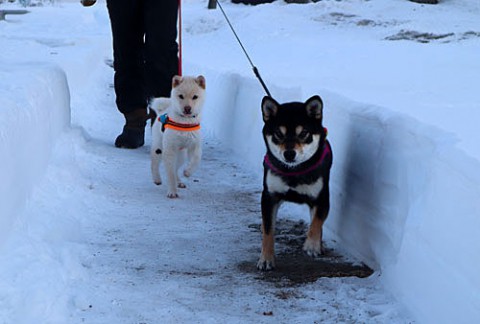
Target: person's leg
[126,17]
[161,49]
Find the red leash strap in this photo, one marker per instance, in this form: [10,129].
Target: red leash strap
[179,37]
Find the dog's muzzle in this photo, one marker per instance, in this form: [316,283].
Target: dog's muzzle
[289,155]
[187,110]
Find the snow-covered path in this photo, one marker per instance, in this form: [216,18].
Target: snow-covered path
[149,259]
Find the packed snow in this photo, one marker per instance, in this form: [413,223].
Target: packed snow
[86,237]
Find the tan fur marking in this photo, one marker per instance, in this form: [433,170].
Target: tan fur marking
[315,230]
[298,130]
[268,245]
[201,81]
[176,81]
[313,244]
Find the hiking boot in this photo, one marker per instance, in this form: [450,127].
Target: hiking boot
[133,134]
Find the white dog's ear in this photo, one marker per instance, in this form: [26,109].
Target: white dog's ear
[176,81]
[314,107]
[200,80]
[269,108]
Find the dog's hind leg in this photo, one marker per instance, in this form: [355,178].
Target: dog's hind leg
[156,157]
[156,152]
[269,214]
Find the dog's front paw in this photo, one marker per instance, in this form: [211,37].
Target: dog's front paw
[265,264]
[187,173]
[157,180]
[181,185]
[172,195]
[313,248]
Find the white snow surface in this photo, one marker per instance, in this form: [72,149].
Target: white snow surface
[86,237]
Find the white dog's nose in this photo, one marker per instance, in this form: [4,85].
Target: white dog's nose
[187,110]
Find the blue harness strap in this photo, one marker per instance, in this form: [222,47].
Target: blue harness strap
[163,119]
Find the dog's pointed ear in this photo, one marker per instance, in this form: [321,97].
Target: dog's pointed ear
[314,107]
[176,81]
[269,108]
[200,80]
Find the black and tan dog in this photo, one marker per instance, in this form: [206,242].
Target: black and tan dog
[296,169]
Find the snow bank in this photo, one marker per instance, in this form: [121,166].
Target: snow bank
[30,122]
[404,198]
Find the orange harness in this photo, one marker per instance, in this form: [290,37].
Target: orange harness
[168,123]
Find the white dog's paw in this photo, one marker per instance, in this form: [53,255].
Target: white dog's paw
[157,180]
[181,185]
[313,248]
[187,173]
[172,195]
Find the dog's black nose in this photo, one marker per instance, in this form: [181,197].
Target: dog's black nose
[187,110]
[289,155]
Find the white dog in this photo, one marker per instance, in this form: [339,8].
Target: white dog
[176,131]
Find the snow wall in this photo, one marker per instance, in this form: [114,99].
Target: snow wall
[30,123]
[404,198]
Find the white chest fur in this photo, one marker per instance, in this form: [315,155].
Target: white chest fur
[178,139]
[276,184]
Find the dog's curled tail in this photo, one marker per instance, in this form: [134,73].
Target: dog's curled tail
[159,105]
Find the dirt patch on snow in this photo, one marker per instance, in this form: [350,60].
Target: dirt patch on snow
[294,267]
[420,37]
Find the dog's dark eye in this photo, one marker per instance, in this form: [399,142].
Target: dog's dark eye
[195,97]
[303,134]
[278,135]
[180,96]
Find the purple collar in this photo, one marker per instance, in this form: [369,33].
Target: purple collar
[326,150]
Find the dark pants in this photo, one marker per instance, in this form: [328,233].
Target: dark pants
[145,52]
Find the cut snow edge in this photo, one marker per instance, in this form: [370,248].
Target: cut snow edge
[28,131]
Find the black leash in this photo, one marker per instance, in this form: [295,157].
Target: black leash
[255,70]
